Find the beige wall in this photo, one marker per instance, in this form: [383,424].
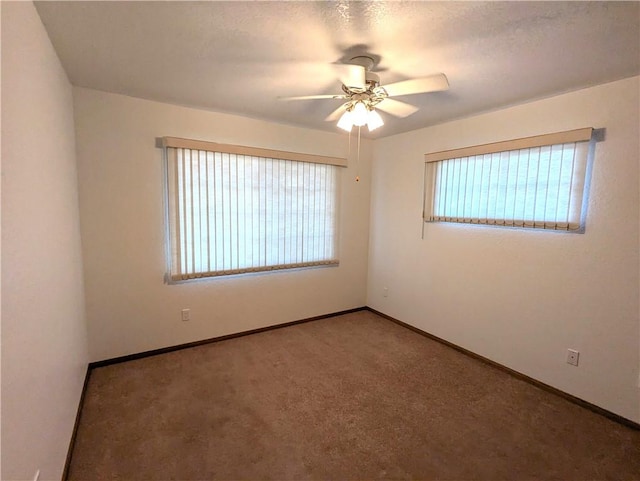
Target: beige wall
[129,307]
[44,344]
[522,297]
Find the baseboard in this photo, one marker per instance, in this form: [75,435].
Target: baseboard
[72,442]
[569,397]
[163,350]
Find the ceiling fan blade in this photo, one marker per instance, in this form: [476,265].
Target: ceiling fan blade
[397,108]
[313,97]
[433,83]
[353,76]
[335,114]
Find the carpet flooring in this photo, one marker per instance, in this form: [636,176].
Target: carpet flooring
[349,397]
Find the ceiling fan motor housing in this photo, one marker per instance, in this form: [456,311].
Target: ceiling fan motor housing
[367,63]
[372,79]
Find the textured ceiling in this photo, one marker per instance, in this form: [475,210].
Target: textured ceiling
[240,56]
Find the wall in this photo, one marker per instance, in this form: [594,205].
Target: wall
[129,307]
[522,297]
[44,344]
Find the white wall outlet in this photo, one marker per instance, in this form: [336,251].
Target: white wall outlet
[385,291]
[36,476]
[572,357]
[186,314]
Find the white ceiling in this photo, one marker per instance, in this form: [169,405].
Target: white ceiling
[240,56]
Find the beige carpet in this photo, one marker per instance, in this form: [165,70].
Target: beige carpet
[345,398]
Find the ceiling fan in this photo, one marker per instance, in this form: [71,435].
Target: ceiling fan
[363,94]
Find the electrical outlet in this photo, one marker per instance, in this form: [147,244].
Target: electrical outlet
[385,291]
[572,357]
[186,314]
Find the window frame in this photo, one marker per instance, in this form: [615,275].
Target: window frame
[174,273]
[582,140]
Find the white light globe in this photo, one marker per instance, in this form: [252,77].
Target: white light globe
[346,121]
[360,114]
[374,120]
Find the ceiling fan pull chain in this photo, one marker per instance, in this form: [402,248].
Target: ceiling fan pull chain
[358,157]
[349,151]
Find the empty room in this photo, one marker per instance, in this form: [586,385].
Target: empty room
[320,240]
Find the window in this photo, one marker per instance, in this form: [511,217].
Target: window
[537,182]
[234,209]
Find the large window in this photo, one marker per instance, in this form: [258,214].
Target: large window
[537,182]
[235,209]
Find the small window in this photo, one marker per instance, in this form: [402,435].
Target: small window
[537,182]
[234,209]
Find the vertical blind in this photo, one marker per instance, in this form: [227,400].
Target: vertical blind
[232,213]
[542,186]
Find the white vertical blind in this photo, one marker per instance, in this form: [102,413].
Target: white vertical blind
[231,213]
[537,187]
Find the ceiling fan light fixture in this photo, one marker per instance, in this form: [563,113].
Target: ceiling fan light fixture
[374,120]
[346,121]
